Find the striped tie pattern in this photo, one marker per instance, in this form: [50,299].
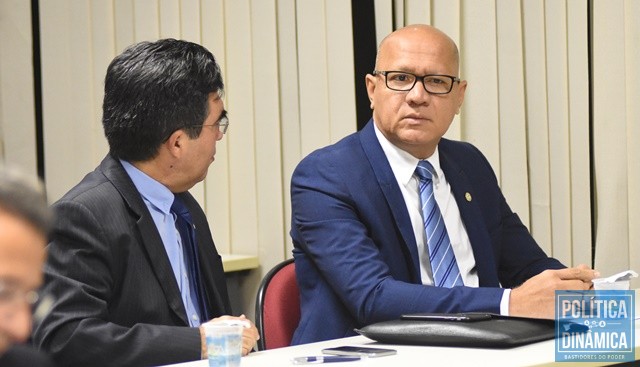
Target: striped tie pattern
[443,260]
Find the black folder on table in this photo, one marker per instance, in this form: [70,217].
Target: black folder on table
[480,330]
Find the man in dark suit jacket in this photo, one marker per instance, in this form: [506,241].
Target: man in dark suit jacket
[127,290]
[360,246]
[21,355]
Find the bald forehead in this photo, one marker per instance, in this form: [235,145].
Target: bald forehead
[419,34]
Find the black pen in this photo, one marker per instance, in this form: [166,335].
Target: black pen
[324,359]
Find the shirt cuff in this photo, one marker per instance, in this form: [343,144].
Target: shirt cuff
[504,303]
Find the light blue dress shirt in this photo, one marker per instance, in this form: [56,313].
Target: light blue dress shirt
[158,199]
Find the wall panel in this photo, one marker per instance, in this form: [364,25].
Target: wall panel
[632,86]
[124,24]
[578,84]
[146,20]
[17,105]
[445,15]
[169,18]
[268,183]
[511,108]
[384,18]
[341,89]
[417,11]
[480,119]
[67,80]
[102,46]
[535,68]
[558,113]
[290,128]
[190,20]
[616,119]
[312,73]
[241,140]
[399,14]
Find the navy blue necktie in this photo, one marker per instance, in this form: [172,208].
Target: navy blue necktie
[441,256]
[185,226]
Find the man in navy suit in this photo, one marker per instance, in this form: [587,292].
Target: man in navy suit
[132,276]
[360,247]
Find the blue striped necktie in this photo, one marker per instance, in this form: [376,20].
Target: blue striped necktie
[443,260]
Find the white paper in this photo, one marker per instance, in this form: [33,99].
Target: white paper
[622,276]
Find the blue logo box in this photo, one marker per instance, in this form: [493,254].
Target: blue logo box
[609,316]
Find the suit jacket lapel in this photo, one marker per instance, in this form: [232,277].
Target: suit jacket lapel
[471,217]
[151,240]
[392,194]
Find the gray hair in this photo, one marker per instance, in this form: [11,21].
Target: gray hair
[24,196]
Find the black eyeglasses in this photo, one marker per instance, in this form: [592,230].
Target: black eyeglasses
[403,82]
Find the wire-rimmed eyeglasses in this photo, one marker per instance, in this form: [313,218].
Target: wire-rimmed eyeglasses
[222,124]
[11,294]
[403,81]
[13,297]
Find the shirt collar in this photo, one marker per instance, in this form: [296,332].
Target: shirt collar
[404,164]
[151,190]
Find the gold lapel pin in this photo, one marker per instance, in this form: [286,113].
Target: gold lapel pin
[467,196]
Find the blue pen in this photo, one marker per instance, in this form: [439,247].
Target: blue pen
[324,359]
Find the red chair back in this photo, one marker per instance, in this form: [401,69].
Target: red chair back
[278,306]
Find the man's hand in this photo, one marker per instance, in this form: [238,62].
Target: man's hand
[536,296]
[250,334]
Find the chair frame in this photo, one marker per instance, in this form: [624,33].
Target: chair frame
[262,290]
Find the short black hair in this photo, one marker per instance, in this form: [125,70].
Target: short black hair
[24,197]
[153,89]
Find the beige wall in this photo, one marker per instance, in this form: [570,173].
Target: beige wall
[616,114]
[287,68]
[17,116]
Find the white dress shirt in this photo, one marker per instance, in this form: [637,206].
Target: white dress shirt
[403,166]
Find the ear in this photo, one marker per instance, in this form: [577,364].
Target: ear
[370,82]
[462,88]
[176,143]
